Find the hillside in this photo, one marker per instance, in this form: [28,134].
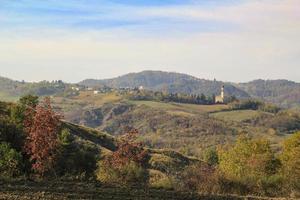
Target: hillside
[11,90]
[282,92]
[177,137]
[168,81]
[187,128]
[99,142]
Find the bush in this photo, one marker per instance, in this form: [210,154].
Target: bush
[127,165]
[77,159]
[290,159]
[211,156]
[249,162]
[160,180]
[246,104]
[10,161]
[130,174]
[12,134]
[201,178]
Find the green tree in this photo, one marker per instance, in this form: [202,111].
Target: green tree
[24,103]
[290,159]
[248,161]
[211,156]
[10,161]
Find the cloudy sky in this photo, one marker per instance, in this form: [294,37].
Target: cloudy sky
[230,40]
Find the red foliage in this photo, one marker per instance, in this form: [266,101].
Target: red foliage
[128,151]
[42,126]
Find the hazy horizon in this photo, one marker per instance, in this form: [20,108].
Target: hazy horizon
[71,40]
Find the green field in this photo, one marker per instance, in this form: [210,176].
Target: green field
[6,97]
[237,115]
[181,108]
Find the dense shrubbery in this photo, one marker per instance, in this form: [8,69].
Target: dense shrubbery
[290,159]
[249,166]
[31,138]
[10,161]
[75,158]
[253,104]
[172,97]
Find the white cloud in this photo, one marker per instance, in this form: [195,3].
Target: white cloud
[265,44]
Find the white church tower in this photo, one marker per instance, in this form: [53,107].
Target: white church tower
[220,99]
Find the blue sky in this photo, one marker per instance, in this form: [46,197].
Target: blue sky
[232,40]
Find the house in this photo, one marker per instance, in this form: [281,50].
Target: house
[141,88]
[96,91]
[220,99]
[76,88]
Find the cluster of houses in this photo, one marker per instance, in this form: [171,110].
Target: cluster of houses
[99,90]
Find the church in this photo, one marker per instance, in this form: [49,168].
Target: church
[220,98]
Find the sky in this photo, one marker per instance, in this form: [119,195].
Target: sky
[71,40]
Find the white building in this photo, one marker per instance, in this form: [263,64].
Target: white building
[220,99]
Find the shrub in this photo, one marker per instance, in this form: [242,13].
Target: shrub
[246,104]
[10,161]
[290,159]
[126,166]
[12,134]
[130,174]
[200,177]
[249,162]
[65,137]
[160,180]
[211,156]
[75,158]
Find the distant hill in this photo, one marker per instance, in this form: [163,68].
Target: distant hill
[11,89]
[169,82]
[282,92]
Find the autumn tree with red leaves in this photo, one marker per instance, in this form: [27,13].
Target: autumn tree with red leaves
[127,165]
[129,151]
[42,126]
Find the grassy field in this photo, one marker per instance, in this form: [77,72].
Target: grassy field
[236,115]
[88,190]
[7,97]
[180,108]
[85,100]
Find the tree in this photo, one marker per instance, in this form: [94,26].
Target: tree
[290,159]
[126,166]
[19,110]
[42,126]
[248,160]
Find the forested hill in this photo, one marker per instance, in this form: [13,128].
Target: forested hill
[11,90]
[283,92]
[168,82]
